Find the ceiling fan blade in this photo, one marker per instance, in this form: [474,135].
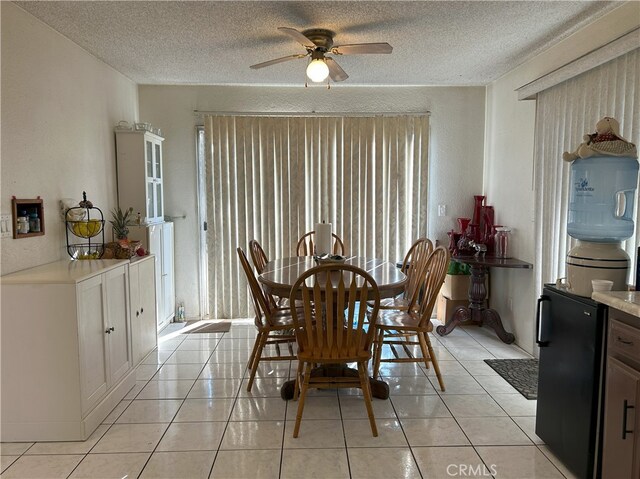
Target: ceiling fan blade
[358,48]
[298,37]
[335,71]
[278,60]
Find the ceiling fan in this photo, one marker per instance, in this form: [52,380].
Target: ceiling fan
[319,42]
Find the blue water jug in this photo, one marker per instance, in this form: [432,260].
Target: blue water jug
[602,198]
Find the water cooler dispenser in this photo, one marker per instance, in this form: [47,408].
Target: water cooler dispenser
[600,213]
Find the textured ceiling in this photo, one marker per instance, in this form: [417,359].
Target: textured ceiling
[435,42]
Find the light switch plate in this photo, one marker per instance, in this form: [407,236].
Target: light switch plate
[442,210]
[6,226]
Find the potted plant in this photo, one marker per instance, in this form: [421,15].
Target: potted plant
[123,248]
[121,222]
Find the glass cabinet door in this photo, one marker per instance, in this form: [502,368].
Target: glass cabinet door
[151,201]
[149,158]
[158,194]
[158,162]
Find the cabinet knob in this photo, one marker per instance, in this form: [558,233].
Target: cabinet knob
[142,310]
[109,330]
[137,313]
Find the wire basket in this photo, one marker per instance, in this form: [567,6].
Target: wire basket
[86,222]
[85,251]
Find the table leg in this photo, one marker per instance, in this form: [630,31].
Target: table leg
[476,313]
[379,389]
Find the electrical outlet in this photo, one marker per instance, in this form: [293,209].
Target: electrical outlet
[6,226]
[442,210]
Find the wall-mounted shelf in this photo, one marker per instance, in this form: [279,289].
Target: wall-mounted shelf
[19,207]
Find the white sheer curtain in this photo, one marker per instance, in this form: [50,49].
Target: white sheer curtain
[564,114]
[273,178]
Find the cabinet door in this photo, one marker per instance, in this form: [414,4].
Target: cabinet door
[92,339]
[117,323]
[155,247]
[148,318]
[168,278]
[134,313]
[621,411]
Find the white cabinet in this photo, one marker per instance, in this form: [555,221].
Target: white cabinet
[158,240]
[168,273]
[65,349]
[142,280]
[621,437]
[140,186]
[139,166]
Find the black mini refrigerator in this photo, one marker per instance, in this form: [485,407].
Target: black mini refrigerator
[571,333]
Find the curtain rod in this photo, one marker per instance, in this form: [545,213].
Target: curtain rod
[310,114]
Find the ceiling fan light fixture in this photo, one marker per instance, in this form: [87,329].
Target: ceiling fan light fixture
[317,70]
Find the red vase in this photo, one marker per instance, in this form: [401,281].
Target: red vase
[478,202]
[453,242]
[473,232]
[463,223]
[488,215]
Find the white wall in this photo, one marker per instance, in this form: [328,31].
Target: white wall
[456,150]
[509,162]
[59,106]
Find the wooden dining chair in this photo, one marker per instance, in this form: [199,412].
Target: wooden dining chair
[306,244]
[411,327]
[343,334]
[412,265]
[275,325]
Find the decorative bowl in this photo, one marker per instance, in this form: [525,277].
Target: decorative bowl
[329,259]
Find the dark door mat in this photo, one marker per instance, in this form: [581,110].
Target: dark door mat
[522,374]
[194,327]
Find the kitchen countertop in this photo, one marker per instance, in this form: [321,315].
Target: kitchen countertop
[64,271]
[627,301]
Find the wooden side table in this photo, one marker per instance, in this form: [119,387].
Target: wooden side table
[475,312]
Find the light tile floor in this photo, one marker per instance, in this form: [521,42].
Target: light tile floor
[190,416]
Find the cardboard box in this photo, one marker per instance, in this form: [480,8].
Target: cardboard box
[456,286]
[446,307]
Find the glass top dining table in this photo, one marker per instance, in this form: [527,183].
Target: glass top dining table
[279,275]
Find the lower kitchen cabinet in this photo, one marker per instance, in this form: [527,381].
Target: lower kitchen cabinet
[65,349]
[621,444]
[142,279]
[159,241]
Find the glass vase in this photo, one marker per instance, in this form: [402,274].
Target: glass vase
[463,223]
[502,240]
[478,202]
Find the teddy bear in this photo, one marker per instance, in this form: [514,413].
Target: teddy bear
[606,141]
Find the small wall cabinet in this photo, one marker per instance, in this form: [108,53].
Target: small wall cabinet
[621,446]
[65,349]
[31,209]
[139,165]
